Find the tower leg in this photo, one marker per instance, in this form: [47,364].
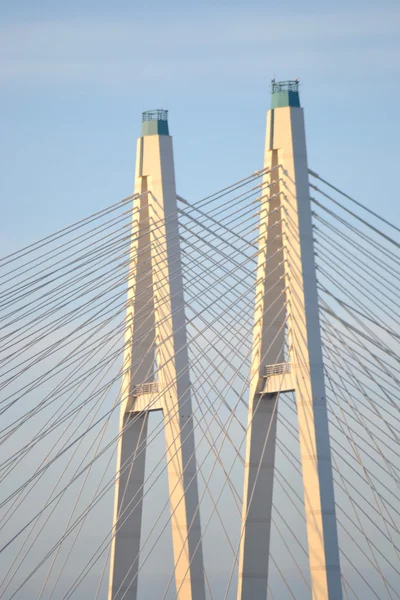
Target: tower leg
[306,357]
[184,506]
[257,500]
[268,349]
[173,370]
[125,548]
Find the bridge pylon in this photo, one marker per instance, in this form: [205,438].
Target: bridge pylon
[287,356]
[156,375]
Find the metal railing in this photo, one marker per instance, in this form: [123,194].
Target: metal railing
[155,115]
[284,86]
[278,369]
[146,388]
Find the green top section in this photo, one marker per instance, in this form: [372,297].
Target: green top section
[285,93]
[155,122]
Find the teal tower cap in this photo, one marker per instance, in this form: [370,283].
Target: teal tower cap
[155,122]
[285,93]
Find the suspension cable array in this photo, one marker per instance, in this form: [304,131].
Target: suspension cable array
[63,304]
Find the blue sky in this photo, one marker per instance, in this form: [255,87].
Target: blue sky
[76,76]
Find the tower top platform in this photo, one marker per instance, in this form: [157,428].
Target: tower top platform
[285,93]
[155,122]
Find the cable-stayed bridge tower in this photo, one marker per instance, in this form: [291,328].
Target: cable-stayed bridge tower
[230,294]
[287,356]
[156,374]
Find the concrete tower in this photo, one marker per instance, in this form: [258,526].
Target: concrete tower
[156,374]
[286,313]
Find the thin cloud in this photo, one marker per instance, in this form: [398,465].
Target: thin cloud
[242,44]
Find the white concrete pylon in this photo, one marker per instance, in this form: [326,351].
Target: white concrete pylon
[287,288]
[156,333]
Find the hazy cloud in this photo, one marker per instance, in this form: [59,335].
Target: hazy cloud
[129,52]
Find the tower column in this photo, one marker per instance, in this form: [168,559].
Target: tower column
[125,547]
[267,349]
[302,371]
[157,376]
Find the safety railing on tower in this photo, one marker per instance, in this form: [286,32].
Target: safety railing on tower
[146,388]
[277,369]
